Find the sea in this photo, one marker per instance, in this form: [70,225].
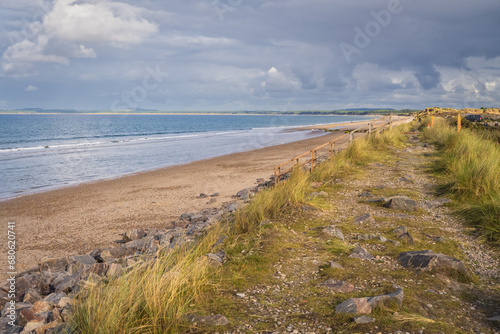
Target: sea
[40,152]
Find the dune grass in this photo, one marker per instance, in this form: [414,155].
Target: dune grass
[157,296]
[471,166]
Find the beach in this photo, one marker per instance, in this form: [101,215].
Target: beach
[78,219]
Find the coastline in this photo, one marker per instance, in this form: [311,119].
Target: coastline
[77,219]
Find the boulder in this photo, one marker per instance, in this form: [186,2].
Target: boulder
[401,203]
[338,286]
[43,329]
[427,260]
[365,218]
[55,298]
[234,206]
[135,234]
[25,316]
[115,270]
[400,231]
[246,193]
[363,320]
[79,263]
[354,306]
[41,307]
[111,254]
[186,216]
[32,296]
[333,231]
[429,205]
[333,264]
[51,266]
[367,304]
[361,253]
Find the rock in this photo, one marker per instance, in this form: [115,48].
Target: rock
[7,309]
[31,326]
[166,239]
[383,300]
[234,206]
[400,231]
[114,270]
[44,328]
[363,320]
[338,286]
[334,232]
[212,201]
[65,302]
[60,329]
[367,304]
[241,295]
[51,266]
[25,316]
[354,306]
[381,238]
[405,179]
[246,193]
[55,298]
[407,237]
[323,194]
[65,283]
[13,329]
[497,318]
[215,195]
[41,306]
[186,216]
[215,259]
[429,205]
[111,254]
[135,234]
[428,260]
[79,263]
[139,244]
[212,320]
[199,219]
[32,296]
[365,218]
[99,269]
[361,253]
[365,194]
[203,195]
[402,203]
[333,264]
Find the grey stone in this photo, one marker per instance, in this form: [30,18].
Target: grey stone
[334,232]
[365,194]
[215,195]
[354,306]
[234,206]
[363,319]
[135,234]
[365,218]
[186,216]
[51,266]
[211,320]
[17,308]
[428,260]
[407,237]
[115,270]
[79,263]
[166,238]
[55,298]
[333,264]
[32,296]
[394,297]
[203,195]
[246,193]
[497,318]
[137,245]
[429,205]
[199,219]
[400,230]
[405,179]
[111,254]
[402,203]
[215,259]
[361,253]
[338,286]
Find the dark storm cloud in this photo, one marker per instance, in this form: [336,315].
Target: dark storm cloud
[241,54]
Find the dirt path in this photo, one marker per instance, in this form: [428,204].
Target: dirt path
[289,298]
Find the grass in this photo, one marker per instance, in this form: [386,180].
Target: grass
[472,169]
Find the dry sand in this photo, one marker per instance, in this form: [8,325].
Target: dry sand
[76,220]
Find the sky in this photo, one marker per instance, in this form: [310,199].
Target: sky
[224,55]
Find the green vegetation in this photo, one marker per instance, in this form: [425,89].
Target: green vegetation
[279,234]
[470,163]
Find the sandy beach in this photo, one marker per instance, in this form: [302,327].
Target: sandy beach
[78,219]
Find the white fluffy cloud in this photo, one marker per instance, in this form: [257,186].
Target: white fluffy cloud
[277,81]
[100,22]
[68,27]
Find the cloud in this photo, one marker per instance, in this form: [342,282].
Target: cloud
[279,82]
[64,31]
[31,88]
[101,22]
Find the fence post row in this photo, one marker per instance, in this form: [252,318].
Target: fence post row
[296,163]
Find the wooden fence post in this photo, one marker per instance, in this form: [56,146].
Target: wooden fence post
[459,123]
[312,161]
[370,129]
[390,121]
[351,137]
